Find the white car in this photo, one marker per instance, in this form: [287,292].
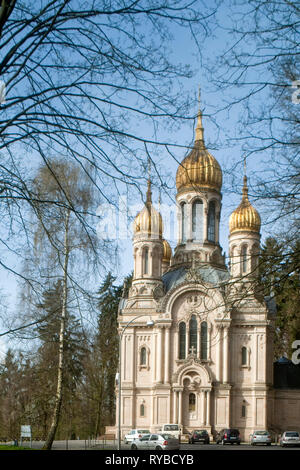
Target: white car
[135,434]
[290,438]
[171,429]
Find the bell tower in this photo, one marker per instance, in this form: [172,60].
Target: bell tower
[148,248]
[199,182]
[244,238]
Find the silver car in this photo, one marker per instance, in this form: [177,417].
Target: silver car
[290,438]
[260,437]
[156,442]
[135,434]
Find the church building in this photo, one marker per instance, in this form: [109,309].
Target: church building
[197,335]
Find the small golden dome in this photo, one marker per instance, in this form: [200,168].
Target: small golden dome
[199,168]
[167,251]
[245,217]
[149,221]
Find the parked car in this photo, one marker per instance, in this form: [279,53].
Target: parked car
[199,435]
[228,436]
[156,442]
[260,437]
[171,429]
[290,438]
[135,434]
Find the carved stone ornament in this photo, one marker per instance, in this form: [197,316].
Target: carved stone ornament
[191,360]
[193,275]
[192,302]
[158,293]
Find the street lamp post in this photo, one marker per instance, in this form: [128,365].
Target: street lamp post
[149,323]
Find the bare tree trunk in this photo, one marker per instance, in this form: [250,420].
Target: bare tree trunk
[59,390]
[97,429]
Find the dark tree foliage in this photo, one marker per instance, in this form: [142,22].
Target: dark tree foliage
[16,397]
[280,277]
[107,341]
[46,363]
[48,333]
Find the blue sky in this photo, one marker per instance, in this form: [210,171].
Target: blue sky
[184,50]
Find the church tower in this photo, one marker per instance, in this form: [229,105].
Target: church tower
[199,182]
[252,328]
[244,239]
[196,344]
[148,247]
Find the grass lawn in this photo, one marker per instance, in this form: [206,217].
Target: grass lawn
[9,447]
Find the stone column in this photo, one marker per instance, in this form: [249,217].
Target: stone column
[153,357]
[199,342]
[205,213]
[203,408]
[217,222]
[254,407]
[208,408]
[134,265]
[134,357]
[141,267]
[187,338]
[219,353]
[208,341]
[179,221]
[189,232]
[225,354]
[180,407]
[175,405]
[255,356]
[176,343]
[124,350]
[150,263]
[159,356]
[167,354]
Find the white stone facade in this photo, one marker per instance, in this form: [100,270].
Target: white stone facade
[206,361]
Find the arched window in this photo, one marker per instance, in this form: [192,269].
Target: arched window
[244,356]
[203,352]
[192,402]
[182,340]
[197,220]
[146,261]
[183,221]
[211,222]
[244,259]
[142,410]
[143,357]
[193,335]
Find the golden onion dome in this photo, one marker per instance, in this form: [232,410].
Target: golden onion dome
[167,254]
[148,221]
[245,217]
[199,169]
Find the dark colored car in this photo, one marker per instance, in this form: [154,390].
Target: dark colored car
[228,436]
[199,436]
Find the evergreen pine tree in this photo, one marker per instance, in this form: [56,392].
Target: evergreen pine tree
[279,276]
[107,344]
